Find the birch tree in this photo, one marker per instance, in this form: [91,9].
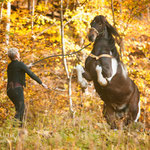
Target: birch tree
[29,5]
[1,14]
[64,59]
[33,6]
[8,22]
[120,41]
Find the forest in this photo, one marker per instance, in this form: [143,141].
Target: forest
[65,117]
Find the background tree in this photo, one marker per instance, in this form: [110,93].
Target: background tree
[8,22]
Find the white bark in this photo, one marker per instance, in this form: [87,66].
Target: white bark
[1,14]
[33,5]
[70,93]
[8,22]
[62,40]
[64,59]
[46,1]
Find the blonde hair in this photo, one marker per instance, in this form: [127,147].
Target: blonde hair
[12,53]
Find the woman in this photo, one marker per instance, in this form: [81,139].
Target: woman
[16,80]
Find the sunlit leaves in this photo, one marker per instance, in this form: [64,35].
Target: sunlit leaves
[43,7]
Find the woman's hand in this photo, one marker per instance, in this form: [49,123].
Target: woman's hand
[45,86]
[30,65]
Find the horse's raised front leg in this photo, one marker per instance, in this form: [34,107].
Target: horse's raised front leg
[82,75]
[87,76]
[101,80]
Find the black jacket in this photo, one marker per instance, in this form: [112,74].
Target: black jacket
[16,73]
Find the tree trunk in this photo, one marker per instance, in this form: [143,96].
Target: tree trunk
[70,93]
[62,40]
[112,8]
[64,59]
[33,5]
[46,1]
[1,14]
[122,47]
[8,22]
[148,13]
[29,5]
[120,4]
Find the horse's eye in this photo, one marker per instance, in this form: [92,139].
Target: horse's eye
[92,23]
[96,20]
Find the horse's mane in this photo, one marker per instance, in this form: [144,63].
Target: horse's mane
[113,31]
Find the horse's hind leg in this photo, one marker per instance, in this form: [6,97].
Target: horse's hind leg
[109,114]
[81,80]
[87,76]
[134,106]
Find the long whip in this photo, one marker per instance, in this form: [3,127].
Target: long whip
[60,55]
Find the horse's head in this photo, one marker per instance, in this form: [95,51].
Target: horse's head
[99,26]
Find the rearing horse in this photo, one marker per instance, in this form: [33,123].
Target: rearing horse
[109,75]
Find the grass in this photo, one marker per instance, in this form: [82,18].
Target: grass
[87,130]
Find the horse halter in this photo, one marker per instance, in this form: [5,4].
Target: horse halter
[95,30]
[98,33]
[100,56]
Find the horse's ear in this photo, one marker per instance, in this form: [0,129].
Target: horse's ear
[111,29]
[103,19]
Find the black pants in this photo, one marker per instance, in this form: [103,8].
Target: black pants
[16,95]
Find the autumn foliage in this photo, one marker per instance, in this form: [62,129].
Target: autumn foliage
[37,35]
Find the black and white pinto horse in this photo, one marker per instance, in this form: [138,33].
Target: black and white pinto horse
[109,75]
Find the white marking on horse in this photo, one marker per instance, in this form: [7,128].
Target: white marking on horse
[138,114]
[124,70]
[101,80]
[118,107]
[81,80]
[114,68]
[122,106]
